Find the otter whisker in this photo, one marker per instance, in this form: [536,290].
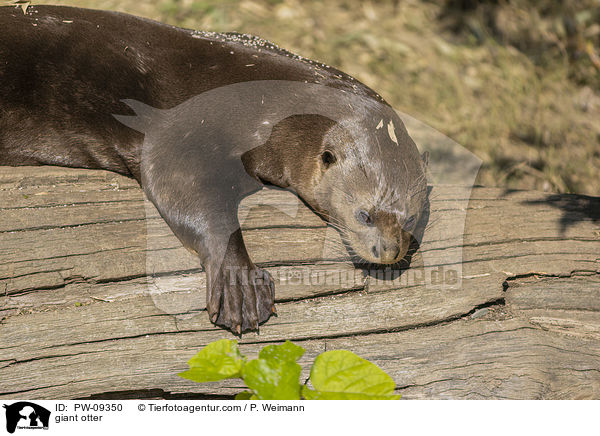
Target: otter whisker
[432,223]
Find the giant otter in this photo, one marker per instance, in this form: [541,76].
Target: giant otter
[215,117]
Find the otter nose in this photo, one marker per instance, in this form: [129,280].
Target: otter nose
[385,252]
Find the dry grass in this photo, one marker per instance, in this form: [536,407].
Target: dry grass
[532,116]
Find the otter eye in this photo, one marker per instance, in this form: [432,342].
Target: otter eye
[363,217]
[328,158]
[410,223]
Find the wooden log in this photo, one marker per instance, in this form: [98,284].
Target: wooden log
[99,299]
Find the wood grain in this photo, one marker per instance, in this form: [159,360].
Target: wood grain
[99,299]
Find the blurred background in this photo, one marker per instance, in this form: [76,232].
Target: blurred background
[517,82]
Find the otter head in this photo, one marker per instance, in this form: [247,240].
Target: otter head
[365,177]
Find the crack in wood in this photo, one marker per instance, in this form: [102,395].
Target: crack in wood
[77,203]
[507,242]
[66,256]
[573,273]
[72,226]
[51,356]
[149,394]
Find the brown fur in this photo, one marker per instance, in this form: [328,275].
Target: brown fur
[66,71]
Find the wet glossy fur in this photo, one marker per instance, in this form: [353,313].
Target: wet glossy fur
[64,72]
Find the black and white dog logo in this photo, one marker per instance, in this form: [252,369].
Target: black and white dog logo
[26,415]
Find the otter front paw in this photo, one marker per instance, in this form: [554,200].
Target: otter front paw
[239,299]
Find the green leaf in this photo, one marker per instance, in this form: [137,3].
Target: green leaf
[343,373]
[272,380]
[217,361]
[309,394]
[275,375]
[287,351]
[245,395]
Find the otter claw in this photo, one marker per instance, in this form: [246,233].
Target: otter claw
[241,305]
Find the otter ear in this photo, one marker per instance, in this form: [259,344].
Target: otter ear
[328,158]
[425,158]
[265,165]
